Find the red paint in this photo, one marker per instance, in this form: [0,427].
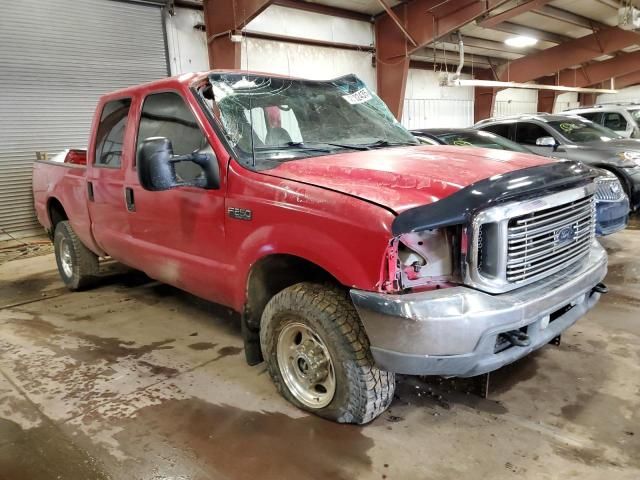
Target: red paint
[184,237]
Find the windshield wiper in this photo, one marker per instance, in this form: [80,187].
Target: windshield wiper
[292,146]
[385,143]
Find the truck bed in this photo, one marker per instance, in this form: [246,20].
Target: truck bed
[58,183]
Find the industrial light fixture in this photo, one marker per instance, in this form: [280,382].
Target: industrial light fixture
[521,41]
[451,81]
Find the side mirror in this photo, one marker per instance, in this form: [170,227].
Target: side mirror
[546,142]
[157,166]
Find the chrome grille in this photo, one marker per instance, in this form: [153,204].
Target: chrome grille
[547,240]
[609,189]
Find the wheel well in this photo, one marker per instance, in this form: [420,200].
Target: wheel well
[269,276]
[56,213]
[273,274]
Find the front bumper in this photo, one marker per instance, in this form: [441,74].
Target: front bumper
[611,216]
[454,331]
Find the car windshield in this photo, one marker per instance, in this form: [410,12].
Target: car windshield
[481,139]
[635,114]
[580,131]
[268,120]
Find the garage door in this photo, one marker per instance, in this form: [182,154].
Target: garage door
[57,58]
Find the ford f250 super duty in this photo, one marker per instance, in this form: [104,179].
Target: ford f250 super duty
[352,252]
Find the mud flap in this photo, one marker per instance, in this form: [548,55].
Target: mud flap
[251,339]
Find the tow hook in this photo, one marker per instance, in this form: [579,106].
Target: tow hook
[517,338]
[600,288]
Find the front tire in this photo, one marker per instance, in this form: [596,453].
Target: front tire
[318,355]
[77,265]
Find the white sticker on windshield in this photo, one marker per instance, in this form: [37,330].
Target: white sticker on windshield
[360,96]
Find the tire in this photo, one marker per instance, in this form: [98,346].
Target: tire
[319,321]
[77,265]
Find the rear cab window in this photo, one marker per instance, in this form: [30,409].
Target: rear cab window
[110,133]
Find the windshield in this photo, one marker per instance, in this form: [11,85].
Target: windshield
[580,131]
[481,139]
[635,114]
[269,120]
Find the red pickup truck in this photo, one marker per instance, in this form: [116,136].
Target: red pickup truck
[351,251]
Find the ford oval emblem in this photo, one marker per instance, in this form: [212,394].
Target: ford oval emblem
[565,235]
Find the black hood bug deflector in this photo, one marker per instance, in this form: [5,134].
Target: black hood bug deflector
[458,208]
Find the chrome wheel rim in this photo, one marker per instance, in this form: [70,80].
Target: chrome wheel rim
[305,365]
[65,258]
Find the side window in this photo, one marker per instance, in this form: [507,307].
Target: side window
[593,116]
[110,134]
[614,121]
[501,129]
[167,115]
[527,133]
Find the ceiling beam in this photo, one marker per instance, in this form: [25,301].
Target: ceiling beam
[508,27]
[627,80]
[222,18]
[575,52]
[487,44]
[569,17]
[598,72]
[324,9]
[524,7]
[424,21]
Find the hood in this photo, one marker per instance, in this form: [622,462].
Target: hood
[614,146]
[405,177]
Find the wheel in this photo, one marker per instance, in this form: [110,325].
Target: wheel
[318,355]
[77,265]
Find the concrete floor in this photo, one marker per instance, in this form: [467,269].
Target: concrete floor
[138,380]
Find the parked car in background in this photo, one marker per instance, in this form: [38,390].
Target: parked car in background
[612,204]
[574,138]
[622,118]
[350,251]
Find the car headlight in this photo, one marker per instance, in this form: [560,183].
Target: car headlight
[417,260]
[632,158]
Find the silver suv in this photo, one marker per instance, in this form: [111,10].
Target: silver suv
[622,118]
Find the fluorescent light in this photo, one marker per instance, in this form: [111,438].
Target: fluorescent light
[521,41]
[526,86]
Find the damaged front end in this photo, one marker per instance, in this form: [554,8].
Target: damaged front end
[434,244]
[420,261]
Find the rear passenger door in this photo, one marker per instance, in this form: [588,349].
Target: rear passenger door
[105,179]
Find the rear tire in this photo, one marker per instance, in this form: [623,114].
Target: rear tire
[318,355]
[77,265]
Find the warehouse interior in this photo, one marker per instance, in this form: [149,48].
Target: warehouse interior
[137,378]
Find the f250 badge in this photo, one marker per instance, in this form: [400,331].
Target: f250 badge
[240,213]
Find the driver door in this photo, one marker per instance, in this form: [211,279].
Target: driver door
[179,233]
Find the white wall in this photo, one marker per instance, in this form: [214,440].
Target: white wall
[565,101]
[309,61]
[427,104]
[319,63]
[187,46]
[629,94]
[511,101]
[289,22]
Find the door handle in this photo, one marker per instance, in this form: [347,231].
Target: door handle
[90,191]
[129,200]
